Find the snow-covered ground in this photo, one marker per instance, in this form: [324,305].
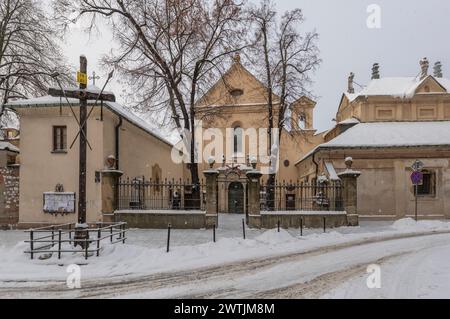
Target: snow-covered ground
[266,264]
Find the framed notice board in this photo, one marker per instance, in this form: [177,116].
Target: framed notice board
[59,202]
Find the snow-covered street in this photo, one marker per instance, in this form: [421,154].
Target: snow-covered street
[414,260]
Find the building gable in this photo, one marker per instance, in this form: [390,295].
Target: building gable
[430,85]
[236,87]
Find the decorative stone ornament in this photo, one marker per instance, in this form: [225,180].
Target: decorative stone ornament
[59,188]
[111,162]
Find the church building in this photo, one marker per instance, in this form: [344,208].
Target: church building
[385,128]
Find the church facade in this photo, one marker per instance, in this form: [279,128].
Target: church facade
[237,105]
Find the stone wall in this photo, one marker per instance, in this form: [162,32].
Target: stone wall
[161,219]
[9,196]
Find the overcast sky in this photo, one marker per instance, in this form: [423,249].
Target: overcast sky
[410,30]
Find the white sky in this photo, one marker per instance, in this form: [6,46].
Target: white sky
[410,30]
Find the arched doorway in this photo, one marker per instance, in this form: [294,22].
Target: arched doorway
[236,198]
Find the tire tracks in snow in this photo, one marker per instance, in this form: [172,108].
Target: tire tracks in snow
[115,287]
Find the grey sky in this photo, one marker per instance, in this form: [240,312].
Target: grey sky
[410,30]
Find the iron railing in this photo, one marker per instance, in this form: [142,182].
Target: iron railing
[61,238]
[300,196]
[142,194]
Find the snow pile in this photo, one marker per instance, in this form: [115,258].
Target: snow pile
[274,237]
[411,224]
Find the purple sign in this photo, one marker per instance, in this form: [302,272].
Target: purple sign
[417,178]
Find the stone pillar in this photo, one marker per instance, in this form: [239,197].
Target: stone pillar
[349,179]
[110,179]
[254,200]
[212,217]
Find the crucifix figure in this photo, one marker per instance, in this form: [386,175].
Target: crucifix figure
[84,96]
[94,77]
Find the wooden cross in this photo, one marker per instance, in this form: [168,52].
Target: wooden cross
[83,95]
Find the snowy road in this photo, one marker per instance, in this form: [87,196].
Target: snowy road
[412,266]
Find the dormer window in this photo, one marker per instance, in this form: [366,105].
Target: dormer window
[236,92]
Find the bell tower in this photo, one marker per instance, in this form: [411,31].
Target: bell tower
[302,118]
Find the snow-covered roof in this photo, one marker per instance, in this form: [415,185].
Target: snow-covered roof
[390,134]
[113,106]
[351,120]
[404,87]
[5,146]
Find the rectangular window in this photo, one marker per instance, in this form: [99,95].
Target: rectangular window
[428,186]
[59,138]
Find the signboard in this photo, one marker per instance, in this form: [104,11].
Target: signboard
[82,78]
[59,203]
[417,166]
[417,178]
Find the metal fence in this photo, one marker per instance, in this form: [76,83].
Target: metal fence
[142,194]
[61,238]
[299,196]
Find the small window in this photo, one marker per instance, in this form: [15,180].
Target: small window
[59,138]
[428,186]
[236,92]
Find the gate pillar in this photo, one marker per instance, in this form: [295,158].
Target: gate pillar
[349,179]
[212,217]
[254,198]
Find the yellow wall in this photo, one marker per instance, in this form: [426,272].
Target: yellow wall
[41,170]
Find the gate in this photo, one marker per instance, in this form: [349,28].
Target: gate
[236,198]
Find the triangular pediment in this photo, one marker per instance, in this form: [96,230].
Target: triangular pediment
[430,85]
[236,87]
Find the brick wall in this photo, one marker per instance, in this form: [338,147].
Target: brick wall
[9,196]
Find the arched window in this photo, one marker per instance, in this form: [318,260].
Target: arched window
[238,143]
[302,121]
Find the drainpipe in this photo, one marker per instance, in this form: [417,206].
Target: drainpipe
[316,164]
[118,126]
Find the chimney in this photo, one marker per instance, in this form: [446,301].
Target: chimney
[351,89]
[437,69]
[424,64]
[375,71]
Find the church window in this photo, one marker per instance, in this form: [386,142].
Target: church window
[428,186]
[238,134]
[59,138]
[302,122]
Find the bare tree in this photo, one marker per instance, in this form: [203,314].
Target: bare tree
[285,58]
[170,52]
[28,51]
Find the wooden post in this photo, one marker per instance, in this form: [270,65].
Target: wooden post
[53,236]
[86,244]
[99,235]
[59,244]
[31,243]
[83,149]
[301,227]
[168,237]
